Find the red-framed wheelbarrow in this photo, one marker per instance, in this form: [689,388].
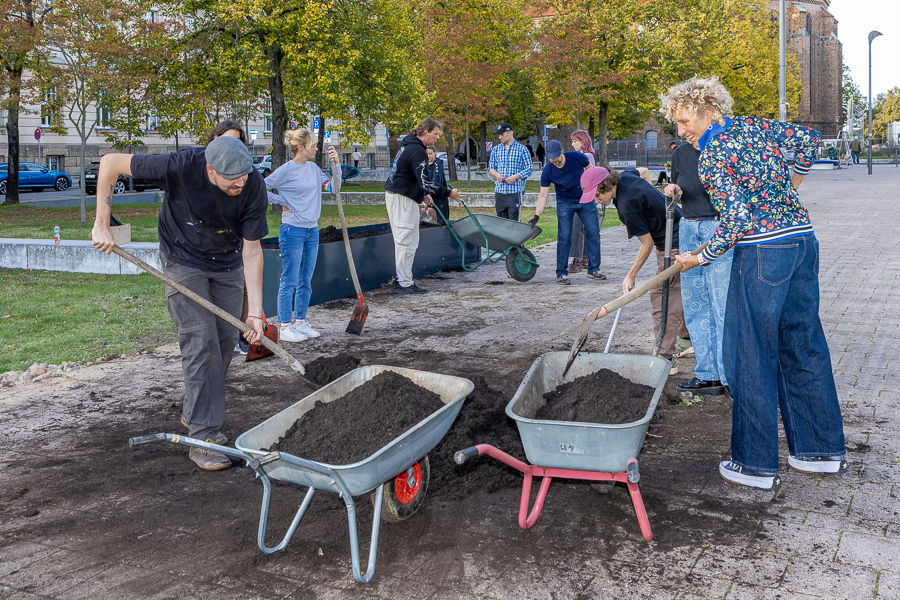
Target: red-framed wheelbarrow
[602,453]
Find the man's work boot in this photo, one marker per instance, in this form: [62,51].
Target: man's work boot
[209,460]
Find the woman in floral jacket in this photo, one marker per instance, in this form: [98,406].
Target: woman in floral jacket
[775,352]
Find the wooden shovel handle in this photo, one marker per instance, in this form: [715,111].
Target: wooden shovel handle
[346,236]
[648,285]
[225,316]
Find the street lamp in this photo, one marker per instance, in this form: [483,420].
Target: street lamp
[872,36]
[782,65]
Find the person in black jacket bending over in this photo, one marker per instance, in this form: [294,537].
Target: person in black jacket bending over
[407,186]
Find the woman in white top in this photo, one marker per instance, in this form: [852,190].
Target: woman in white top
[297,186]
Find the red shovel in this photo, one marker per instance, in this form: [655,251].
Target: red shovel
[361,310]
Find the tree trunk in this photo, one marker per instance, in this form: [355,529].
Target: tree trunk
[12,136]
[451,158]
[81,181]
[279,112]
[468,166]
[320,144]
[482,151]
[602,135]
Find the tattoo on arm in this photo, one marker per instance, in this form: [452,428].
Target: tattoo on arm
[108,200]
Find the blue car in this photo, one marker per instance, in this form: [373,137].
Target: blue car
[33,176]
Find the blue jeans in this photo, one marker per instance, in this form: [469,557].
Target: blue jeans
[704,291]
[587,212]
[776,356]
[299,250]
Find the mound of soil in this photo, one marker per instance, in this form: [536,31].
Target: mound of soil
[601,397]
[360,423]
[332,234]
[328,368]
[482,420]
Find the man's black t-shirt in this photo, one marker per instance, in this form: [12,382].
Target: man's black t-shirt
[201,226]
[694,199]
[642,208]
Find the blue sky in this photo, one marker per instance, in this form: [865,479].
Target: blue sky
[856,18]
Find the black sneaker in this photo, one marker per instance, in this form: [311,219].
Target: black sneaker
[597,275]
[412,289]
[737,474]
[563,280]
[713,387]
[243,345]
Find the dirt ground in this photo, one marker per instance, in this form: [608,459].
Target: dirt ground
[145,522]
[155,520]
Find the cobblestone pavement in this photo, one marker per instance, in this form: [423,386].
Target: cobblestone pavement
[816,537]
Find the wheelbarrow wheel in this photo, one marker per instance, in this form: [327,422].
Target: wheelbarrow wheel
[521,264]
[405,493]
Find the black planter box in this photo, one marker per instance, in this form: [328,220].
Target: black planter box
[374,259]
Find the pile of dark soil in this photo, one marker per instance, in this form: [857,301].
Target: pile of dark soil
[328,368]
[482,420]
[332,234]
[360,423]
[601,397]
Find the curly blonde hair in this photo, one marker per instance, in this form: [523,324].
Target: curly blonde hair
[697,95]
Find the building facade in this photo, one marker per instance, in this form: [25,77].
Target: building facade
[812,37]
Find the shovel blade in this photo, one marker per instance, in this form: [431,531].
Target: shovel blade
[578,344]
[358,320]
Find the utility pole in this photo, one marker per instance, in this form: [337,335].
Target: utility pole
[782,65]
[872,35]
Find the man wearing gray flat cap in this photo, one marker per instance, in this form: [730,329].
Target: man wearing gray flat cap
[215,202]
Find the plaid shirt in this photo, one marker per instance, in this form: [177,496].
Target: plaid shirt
[508,162]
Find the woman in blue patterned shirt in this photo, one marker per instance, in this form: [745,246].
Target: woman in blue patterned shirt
[775,352]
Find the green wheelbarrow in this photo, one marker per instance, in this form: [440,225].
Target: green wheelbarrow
[501,238]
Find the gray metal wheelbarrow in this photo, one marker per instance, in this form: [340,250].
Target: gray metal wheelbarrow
[501,238]
[590,451]
[397,473]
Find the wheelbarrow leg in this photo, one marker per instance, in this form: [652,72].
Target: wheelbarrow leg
[354,542]
[638,502]
[264,516]
[526,522]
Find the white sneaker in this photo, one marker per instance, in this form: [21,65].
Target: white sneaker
[305,328]
[289,333]
[673,369]
[818,464]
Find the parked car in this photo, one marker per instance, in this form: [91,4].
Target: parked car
[263,164]
[443,157]
[33,176]
[121,185]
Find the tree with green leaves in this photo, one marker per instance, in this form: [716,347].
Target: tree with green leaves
[352,62]
[475,54]
[21,51]
[93,42]
[888,111]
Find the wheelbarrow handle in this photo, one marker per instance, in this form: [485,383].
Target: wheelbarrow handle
[467,453]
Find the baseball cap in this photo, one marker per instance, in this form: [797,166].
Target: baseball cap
[503,127]
[553,149]
[229,157]
[590,181]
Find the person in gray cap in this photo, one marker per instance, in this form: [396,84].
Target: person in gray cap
[214,201]
[510,165]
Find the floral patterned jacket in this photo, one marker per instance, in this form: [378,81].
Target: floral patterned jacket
[749,182]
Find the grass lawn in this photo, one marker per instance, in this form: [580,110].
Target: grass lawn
[54,317]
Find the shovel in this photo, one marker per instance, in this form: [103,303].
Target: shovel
[361,310]
[225,316]
[602,311]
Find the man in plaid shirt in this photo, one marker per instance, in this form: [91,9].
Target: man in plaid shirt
[510,165]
